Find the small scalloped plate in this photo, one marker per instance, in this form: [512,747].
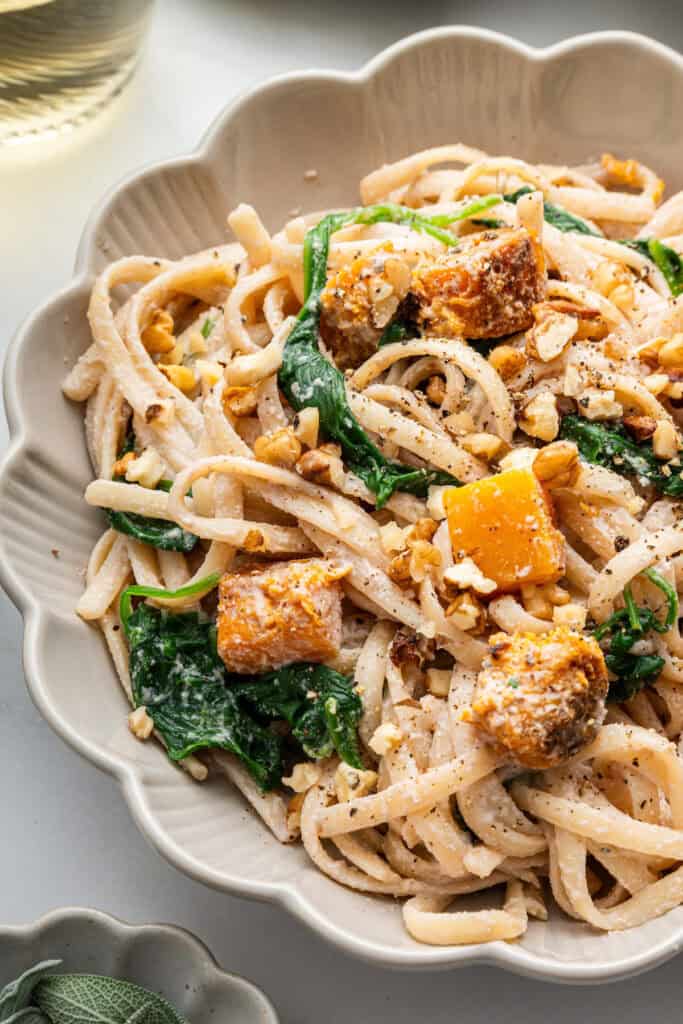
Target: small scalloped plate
[159,957]
[609,91]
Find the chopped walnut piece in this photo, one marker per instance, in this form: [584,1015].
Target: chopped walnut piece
[140,724]
[408,648]
[665,440]
[386,737]
[597,404]
[279,449]
[254,542]
[615,282]
[557,465]
[640,427]
[240,401]
[399,567]
[304,775]
[466,574]
[436,390]
[158,337]
[483,445]
[121,465]
[571,615]
[422,529]
[591,325]
[548,338]
[181,377]
[392,538]
[306,425]
[424,560]
[322,466]
[352,782]
[507,360]
[467,612]
[540,417]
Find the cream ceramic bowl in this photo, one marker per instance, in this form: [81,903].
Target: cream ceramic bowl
[159,957]
[610,91]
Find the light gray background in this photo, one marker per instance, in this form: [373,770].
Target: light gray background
[65,834]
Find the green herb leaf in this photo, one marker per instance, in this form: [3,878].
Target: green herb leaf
[396,331]
[91,999]
[488,222]
[28,1016]
[669,262]
[560,218]
[320,705]
[158,533]
[611,446]
[207,327]
[308,379]
[626,627]
[202,586]
[15,997]
[671,596]
[177,675]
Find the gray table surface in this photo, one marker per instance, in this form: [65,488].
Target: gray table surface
[66,837]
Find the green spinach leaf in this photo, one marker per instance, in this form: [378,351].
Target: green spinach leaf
[195,703]
[395,331]
[611,446]
[158,533]
[624,629]
[488,222]
[320,705]
[177,675]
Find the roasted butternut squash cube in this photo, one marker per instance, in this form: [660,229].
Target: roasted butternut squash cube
[505,524]
[359,301]
[272,615]
[542,697]
[485,288]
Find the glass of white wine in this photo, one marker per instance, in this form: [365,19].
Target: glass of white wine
[62,60]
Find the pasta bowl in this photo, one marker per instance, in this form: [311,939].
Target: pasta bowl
[161,958]
[611,91]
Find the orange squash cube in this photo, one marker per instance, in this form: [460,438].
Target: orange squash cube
[505,524]
[276,613]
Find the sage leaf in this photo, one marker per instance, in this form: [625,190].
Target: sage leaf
[30,1015]
[91,999]
[16,996]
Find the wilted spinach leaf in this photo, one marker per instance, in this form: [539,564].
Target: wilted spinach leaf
[624,629]
[611,446]
[321,706]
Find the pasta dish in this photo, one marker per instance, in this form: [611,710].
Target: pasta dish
[393,532]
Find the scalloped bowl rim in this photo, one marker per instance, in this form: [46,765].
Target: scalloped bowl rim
[512,957]
[121,930]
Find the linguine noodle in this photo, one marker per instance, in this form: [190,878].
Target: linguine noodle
[236,472]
